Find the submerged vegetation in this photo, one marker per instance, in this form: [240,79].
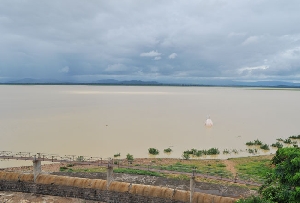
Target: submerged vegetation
[117,155]
[277,144]
[265,147]
[153,151]
[255,142]
[295,137]
[168,150]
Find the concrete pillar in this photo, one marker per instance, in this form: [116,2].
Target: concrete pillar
[110,173]
[36,168]
[192,187]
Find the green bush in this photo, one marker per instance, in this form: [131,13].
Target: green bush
[117,155]
[255,142]
[129,157]
[265,147]
[153,151]
[226,151]
[185,155]
[288,141]
[168,150]
[295,137]
[213,151]
[252,151]
[277,144]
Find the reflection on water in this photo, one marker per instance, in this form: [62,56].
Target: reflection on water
[104,120]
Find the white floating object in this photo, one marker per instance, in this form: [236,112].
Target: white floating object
[208,122]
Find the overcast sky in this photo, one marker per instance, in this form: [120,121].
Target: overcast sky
[157,40]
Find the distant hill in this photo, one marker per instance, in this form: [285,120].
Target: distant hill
[126,82]
[224,83]
[33,81]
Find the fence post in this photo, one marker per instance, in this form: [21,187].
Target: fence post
[109,174]
[192,185]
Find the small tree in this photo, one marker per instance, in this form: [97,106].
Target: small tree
[186,156]
[129,157]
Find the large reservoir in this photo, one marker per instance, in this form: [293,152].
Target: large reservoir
[105,120]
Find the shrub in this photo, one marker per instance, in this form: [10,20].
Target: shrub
[255,142]
[80,158]
[265,147]
[198,153]
[235,151]
[129,157]
[213,151]
[117,155]
[252,151]
[295,137]
[168,150]
[288,141]
[226,151]
[153,151]
[277,144]
[186,156]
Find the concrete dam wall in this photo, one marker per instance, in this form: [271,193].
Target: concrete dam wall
[99,190]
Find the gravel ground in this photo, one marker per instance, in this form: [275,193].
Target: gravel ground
[18,197]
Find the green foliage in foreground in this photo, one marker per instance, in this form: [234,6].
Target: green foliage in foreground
[136,171]
[283,183]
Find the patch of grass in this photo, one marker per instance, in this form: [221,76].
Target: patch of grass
[221,165]
[253,168]
[63,168]
[90,170]
[136,171]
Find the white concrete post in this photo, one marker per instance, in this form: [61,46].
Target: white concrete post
[110,171]
[192,186]
[36,168]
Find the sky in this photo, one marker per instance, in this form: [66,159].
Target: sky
[168,41]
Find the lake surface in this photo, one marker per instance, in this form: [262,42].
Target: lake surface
[104,120]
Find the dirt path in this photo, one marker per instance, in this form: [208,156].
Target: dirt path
[230,166]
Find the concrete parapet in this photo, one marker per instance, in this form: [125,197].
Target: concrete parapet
[95,189]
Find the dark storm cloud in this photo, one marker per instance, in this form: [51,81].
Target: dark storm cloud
[165,40]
